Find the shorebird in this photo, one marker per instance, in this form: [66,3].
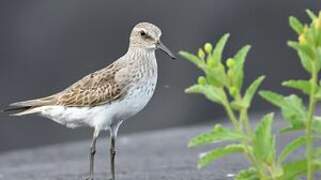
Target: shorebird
[104,99]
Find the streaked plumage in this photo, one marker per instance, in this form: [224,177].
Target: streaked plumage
[107,97]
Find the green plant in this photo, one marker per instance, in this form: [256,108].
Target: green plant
[298,116]
[222,83]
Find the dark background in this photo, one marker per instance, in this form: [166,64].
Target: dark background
[46,45]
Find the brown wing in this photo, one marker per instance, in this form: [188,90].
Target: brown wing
[101,87]
[97,88]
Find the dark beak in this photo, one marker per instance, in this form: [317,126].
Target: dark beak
[162,47]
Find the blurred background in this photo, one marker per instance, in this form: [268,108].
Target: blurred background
[46,45]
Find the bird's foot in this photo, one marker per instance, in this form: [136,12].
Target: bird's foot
[89,178]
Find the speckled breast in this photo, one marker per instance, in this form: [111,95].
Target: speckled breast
[140,93]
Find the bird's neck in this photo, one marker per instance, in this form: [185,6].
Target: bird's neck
[140,54]
[142,59]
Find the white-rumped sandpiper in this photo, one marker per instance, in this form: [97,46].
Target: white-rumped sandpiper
[104,99]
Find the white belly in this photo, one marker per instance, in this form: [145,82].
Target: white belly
[134,101]
[103,116]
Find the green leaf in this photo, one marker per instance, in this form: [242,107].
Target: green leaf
[296,25]
[291,129]
[218,134]
[272,97]
[248,174]
[239,64]
[218,50]
[216,75]
[305,61]
[316,126]
[304,54]
[193,59]
[263,140]
[238,105]
[212,93]
[209,157]
[249,93]
[294,111]
[303,48]
[311,14]
[294,168]
[290,147]
[292,108]
[297,168]
[302,85]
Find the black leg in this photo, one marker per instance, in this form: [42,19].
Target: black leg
[112,156]
[112,150]
[92,155]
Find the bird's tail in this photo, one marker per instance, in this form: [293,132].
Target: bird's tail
[16,111]
[27,107]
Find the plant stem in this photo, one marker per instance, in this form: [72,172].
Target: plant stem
[229,111]
[308,131]
[231,115]
[244,119]
[248,154]
[246,129]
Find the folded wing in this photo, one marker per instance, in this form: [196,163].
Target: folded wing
[101,87]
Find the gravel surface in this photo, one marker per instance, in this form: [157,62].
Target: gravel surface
[156,155]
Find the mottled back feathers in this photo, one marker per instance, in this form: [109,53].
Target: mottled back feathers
[97,88]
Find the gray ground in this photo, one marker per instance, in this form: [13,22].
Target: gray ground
[157,155]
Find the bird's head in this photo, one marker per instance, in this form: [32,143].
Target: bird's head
[146,35]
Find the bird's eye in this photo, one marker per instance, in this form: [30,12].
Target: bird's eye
[142,33]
